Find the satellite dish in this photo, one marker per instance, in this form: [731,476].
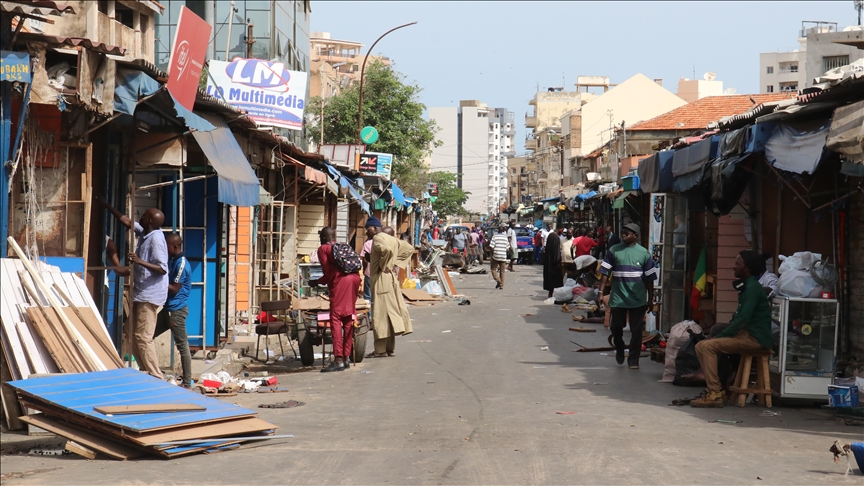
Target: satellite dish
[709,76]
[731,91]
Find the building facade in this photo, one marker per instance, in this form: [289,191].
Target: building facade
[821,47]
[335,64]
[476,142]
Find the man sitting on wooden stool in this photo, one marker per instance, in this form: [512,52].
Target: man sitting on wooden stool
[748,331]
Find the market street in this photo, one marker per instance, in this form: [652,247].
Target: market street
[471,398]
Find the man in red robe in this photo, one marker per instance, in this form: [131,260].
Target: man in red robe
[343,299]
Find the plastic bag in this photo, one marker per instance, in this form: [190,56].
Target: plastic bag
[796,283]
[433,288]
[678,336]
[798,261]
[565,293]
[550,300]
[409,283]
[687,362]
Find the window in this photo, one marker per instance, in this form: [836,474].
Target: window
[833,62]
[769,88]
[770,70]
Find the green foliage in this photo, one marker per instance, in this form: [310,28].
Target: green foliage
[450,197]
[393,108]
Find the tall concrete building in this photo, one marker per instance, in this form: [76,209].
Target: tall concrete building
[336,64]
[476,142]
[821,47]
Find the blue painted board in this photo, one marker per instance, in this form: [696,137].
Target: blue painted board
[81,392]
[66,264]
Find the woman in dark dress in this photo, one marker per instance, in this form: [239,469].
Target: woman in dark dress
[552,274]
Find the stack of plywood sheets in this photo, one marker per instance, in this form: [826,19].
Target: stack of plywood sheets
[49,323]
[124,414]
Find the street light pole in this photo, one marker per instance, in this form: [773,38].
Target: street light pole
[362,72]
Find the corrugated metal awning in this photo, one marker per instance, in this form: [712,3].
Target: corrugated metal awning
[238,184]
[58,40]
[36,8]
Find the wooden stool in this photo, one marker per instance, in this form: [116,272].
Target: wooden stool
[742,380]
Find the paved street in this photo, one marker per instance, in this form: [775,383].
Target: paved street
[471,398]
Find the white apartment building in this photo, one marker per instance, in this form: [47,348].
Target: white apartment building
[476,142]
[821,47]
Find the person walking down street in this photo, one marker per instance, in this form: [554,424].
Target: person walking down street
[748,331]
[150,282]
[634,273]
[499,246]
[343,289]
[389,314]
[459,242]
[373,226]
[173,314]
[513,252]
[552,276]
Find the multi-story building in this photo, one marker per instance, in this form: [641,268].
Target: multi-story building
[522,181]
[549,105]
[476,142]
[260,29]
[821,47]
[335,64]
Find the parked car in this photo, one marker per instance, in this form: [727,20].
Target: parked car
[525,244]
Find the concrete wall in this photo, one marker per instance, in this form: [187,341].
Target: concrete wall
[787,68]
[445,157]
[691,90]
[820,46]
[855,277]
[475,158]
[637,99]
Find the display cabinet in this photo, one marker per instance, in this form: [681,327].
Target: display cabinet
[307,272]
[804,332]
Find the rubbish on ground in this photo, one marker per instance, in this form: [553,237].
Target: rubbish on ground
[126,436]
[566,413]
[550,300]
[601,383]
[604,354]
[583,349]
[454,274]
[527,315]
[769,413]
[582,329]
[721,421]
[288,404]
[446,331]
[366,372]
[539,367]
[544,348]
[465,302]
[577,319]
[419,295]
[275,389]
[49,452]
[566,308]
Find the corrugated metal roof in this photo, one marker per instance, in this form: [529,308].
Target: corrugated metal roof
[73,42]
[749,116]
[37,8]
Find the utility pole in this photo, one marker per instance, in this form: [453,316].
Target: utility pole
[230,23]
[249,38]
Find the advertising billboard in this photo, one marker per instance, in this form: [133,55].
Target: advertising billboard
[372,163]
[187,57]
[269,93]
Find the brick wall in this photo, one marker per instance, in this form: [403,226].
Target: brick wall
[855,277]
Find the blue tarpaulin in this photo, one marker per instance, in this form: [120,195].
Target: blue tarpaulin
[398,196]
[238,184]
[131,85]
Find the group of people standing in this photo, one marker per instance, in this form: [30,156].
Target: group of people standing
[382,256]
[161,277]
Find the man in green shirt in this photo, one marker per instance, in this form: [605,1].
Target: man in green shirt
[748,331]
[633,274]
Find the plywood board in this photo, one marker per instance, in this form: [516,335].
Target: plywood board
[419,295]
[79,393]
[109,359]
[245,426]
[98,443]
[59,353]
[154,408]
[36,361]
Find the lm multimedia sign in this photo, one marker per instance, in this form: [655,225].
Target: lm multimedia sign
[187,57]
[269,93]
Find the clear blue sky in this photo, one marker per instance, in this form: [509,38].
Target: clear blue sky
[498,52]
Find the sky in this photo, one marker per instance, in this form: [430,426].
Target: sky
[500,52]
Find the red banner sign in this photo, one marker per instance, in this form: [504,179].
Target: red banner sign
[187,57]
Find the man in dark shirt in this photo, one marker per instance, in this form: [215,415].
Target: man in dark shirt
[748,331]
[173,314]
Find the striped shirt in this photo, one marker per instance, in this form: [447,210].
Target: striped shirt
[499,244]
[631,268]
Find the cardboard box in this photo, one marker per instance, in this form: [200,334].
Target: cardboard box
[842,396]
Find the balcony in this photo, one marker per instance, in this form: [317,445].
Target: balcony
[112,32]
[530,145]
[530,121]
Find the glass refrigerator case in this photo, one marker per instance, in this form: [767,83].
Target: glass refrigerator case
[805,337]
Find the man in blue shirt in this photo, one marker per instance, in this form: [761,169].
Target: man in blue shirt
[173,314]
[149,280]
